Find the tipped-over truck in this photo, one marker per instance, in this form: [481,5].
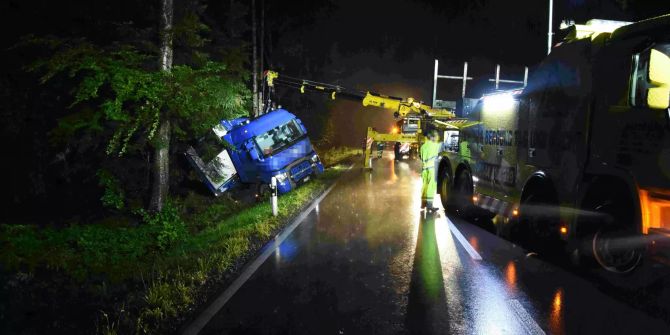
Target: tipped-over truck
[252,151]
[578,160]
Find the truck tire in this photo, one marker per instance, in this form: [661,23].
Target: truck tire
[262,192]
[462,194]
[611,243]
[445,189]
[537,227]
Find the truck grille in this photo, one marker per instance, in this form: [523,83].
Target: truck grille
[301,170]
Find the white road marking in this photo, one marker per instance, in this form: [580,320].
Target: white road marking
[201,321]
[466,245]
[525,319]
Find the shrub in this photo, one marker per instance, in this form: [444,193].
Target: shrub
[167,225]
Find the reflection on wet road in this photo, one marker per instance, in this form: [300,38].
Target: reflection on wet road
[367,261]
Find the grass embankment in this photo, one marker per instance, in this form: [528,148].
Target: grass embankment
[129,275]
[335,155]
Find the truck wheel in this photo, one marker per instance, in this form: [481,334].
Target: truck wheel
[262,192]
[537,228]
[614,246]
[445,190]
[462,194]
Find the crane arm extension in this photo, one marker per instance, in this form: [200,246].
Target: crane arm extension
[401,106]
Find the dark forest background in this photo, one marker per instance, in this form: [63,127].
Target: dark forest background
[383,46]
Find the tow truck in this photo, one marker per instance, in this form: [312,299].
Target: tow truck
[413,116]
[579,160]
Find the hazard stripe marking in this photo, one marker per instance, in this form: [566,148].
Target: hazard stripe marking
[495,205]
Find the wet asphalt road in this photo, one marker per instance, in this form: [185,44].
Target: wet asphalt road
[367,261]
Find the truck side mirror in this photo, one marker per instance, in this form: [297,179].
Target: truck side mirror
[658,96]
[251,148]
[302,126]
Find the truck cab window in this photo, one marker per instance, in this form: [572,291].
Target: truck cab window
[639,79]
[279,138]
[451,140]
[209,146]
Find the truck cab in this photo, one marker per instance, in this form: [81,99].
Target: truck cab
[407,125]
[252,151]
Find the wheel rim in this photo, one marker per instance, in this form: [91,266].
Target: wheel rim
[610,255]
[444,190]
[464,192]
[609,245]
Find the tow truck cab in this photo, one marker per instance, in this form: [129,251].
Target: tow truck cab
[403,150]
[252,151]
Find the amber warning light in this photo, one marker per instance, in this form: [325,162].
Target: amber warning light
[655,205]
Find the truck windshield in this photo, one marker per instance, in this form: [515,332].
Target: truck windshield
[279,138]
[410,126]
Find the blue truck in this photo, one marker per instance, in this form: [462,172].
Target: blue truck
[252,151]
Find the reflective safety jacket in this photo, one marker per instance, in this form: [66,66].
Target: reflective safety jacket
[429,152]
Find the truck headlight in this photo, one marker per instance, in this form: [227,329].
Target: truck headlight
[315,158]
[281,177]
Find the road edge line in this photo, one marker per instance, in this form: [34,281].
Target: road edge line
[461,239]
[205,316]
[527,322]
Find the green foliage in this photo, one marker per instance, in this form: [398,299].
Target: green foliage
[188,33]
[173,263]
[201,97]
[167,225]
[336,155]
[79,251]
[113,196]
[132,96]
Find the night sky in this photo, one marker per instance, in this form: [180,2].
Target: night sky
[384,46]
[390,46]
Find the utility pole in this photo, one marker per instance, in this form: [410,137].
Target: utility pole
[254,60]
[550,33]
[261,108]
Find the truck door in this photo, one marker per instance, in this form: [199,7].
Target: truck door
[478,141]
[500,117]
[558,110]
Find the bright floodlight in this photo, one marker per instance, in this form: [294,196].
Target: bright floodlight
[502,101]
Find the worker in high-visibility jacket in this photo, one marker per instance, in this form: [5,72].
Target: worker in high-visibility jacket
[429,152]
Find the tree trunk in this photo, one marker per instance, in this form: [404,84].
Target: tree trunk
[254,59]
[161,164]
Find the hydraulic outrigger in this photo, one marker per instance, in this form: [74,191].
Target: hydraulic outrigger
[402,108]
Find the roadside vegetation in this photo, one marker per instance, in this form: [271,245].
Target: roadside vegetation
[142,273]
[334,155]
[84,246]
